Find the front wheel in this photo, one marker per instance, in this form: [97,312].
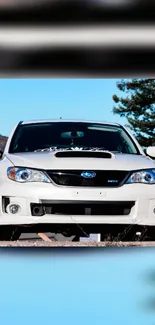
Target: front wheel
[76,238]
[9,233]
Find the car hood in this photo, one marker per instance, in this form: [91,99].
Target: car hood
[48,160]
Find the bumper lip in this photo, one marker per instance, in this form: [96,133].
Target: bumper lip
[141,214]
[29,221]
[67,220]
[137,216]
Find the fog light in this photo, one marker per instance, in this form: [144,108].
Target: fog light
[138,233]
[13,208]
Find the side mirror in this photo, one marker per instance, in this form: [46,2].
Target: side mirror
[150,151]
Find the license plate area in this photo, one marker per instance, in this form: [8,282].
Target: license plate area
[89,194]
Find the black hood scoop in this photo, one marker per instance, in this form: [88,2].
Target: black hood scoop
[84,154]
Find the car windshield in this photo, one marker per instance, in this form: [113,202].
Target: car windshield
[70,135]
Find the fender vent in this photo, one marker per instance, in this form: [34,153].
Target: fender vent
[83,154]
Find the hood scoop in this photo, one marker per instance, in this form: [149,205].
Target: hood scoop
[84,154]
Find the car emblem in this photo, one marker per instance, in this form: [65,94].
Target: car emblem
[88,174]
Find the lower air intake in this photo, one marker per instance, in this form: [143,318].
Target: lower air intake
[84,208]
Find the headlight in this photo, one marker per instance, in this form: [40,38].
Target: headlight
[24,175]
[142,176]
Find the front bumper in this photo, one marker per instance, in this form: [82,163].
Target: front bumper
[142,211]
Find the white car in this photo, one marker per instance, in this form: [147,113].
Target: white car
[74,178]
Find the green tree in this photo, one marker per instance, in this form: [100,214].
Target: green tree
[138,107]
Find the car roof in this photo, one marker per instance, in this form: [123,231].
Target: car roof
[68,120]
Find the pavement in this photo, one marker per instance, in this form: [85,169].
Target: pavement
[37,243]
[35,237]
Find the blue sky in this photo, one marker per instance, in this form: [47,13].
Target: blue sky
[26,99]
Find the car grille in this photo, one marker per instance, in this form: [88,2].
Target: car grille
[103,178]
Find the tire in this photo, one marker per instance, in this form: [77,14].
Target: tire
[8,233]
[76,238]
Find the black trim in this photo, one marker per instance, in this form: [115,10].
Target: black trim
[83,208]
[82,202]
[81,12]
[83,154]
[14,135]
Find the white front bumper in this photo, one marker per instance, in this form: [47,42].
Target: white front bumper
[142,213]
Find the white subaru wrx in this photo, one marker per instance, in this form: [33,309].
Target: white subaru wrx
[74,177]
